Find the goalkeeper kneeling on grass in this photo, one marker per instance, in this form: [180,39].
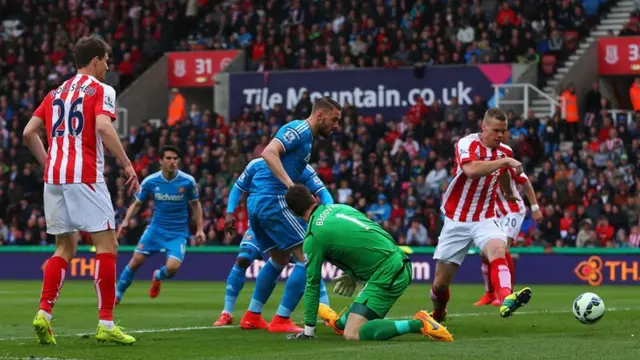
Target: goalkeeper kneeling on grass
[358,246]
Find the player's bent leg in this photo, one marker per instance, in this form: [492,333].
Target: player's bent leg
[355,322]
[127,275]
[104,280]
[495,250]
[54,274]
[440,293]
[167,271]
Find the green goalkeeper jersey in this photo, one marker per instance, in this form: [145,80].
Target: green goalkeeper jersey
[349,240]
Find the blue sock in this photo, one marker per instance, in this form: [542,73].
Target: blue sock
[126,278]
[324,297]
[161,274]
[235,283]
[265,283]
[293,291]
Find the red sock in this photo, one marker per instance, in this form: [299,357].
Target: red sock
[512,268]
[440,300]
[54,273]
[488,287]
[105,283]
[500,277]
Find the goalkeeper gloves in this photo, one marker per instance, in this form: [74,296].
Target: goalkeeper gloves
[309,333]
[345,285]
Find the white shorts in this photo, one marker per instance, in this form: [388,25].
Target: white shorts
[78,207]
[457,237]
[512,224]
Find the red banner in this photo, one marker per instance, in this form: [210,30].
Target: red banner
[619,55]
[197,68]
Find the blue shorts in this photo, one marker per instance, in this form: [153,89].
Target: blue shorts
[249,248]
[273,223]
[155,240]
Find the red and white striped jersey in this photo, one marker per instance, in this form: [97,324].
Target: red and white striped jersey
[504,206]
[466,199]
[76,152]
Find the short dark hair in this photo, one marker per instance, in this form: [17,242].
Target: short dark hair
[170,148]
[326,103]
[88,48]
[495,113]
[299,199]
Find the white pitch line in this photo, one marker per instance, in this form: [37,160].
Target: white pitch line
[192,328]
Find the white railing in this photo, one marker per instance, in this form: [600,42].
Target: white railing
[122,121]
[528,91]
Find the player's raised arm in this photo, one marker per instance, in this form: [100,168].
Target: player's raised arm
[112,142]
[271,155]
[33,141]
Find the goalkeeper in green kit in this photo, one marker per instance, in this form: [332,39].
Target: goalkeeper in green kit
[358,246]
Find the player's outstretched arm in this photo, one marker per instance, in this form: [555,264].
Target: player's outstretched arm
[33,141]
[271,155]
[131,212]
[196,208]
[112,142]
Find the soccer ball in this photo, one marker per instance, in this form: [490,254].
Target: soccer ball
[588,308]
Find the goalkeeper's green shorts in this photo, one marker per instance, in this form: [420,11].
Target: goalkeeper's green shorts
[384,288]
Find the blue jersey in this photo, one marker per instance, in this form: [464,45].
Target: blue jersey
[247,181]
[297,140]
[171,200]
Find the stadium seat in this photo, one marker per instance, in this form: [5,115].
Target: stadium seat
[571,39]
[549,64]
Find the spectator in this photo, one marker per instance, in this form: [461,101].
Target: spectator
[587,237]
[436,177]
[380,211]
[605,232]
[417,234]
[177,107]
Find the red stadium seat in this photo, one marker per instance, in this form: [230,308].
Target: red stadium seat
[571,39]
[549,64]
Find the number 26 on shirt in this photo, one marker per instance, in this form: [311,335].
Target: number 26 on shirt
[74,119]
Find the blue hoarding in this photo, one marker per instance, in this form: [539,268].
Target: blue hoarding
[389,92]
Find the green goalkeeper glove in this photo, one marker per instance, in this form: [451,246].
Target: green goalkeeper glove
[345,285]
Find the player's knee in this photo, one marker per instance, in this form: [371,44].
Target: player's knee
[352,335]
[172,268]
[134,264]
[243,262]
[495,249]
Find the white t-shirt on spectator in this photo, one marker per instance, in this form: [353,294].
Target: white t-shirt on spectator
[343,195]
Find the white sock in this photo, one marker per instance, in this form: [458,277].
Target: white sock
[45,314]
[108,324]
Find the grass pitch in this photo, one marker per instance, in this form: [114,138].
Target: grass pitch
[177,325]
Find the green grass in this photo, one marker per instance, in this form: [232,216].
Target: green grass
[177,325]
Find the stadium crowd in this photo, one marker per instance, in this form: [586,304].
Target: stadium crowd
[394,171]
